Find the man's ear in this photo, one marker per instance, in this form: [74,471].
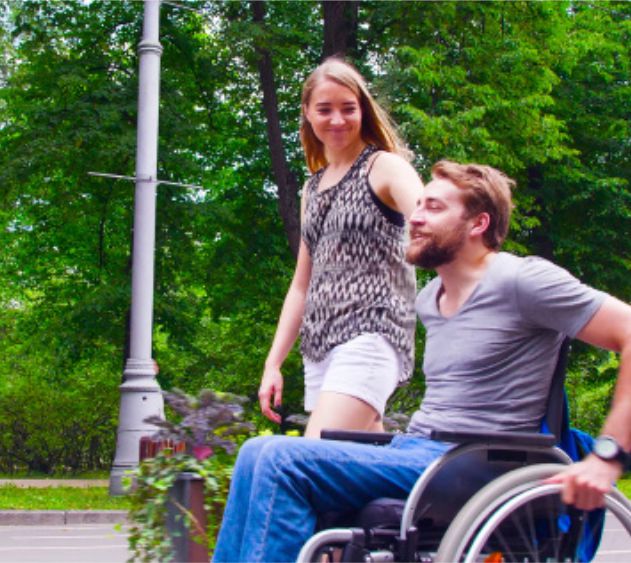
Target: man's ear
[480,224]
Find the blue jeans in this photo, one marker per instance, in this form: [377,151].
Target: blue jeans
[280,485]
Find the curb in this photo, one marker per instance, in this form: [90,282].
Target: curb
[61,517]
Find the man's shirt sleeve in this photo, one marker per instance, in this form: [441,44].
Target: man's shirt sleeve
[550,297]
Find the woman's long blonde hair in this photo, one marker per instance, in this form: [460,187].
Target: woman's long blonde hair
[377,127]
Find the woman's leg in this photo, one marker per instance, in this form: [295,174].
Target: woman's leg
[359,377]
[337,411]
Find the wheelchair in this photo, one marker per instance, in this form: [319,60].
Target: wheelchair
[483,500]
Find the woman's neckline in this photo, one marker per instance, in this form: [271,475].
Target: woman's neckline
[354,163]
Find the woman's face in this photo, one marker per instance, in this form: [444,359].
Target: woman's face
[335,115]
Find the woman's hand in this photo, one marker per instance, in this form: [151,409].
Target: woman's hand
[271,393]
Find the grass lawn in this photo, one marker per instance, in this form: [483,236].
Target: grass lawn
[59,498]
[625,486]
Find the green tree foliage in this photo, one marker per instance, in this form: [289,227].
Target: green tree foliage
[589,193]
[539,89]
[69,107]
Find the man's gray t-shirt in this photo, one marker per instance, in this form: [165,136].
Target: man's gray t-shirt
[489,366]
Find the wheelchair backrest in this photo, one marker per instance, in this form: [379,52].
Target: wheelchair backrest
[556,416]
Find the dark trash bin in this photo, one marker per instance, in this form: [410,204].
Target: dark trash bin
[188,535]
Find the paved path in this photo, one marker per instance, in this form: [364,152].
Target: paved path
[615,546]
[103,543]
[91,536]
[93,543]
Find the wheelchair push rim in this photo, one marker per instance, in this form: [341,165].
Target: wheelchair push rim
[517,513]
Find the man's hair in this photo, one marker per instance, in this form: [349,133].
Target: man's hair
[376,129]
[484,190]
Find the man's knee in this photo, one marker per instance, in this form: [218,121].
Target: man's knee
[279,448]
[250,451]
[266,448]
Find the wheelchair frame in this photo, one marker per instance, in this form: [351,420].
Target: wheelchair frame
[476,521]
[408,533]
[486,508]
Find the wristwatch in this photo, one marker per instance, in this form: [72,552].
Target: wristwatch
[606,448]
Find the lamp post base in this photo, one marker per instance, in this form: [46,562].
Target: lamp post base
[140,398]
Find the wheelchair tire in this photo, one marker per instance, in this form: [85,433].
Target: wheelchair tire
[517,518]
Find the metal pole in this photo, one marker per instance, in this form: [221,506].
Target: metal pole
[140,392]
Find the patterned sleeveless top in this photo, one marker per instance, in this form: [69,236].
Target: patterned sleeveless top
[360,281]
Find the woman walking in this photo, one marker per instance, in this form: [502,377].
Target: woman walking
[352,295]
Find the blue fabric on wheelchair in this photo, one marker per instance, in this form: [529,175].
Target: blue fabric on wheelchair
[577,444]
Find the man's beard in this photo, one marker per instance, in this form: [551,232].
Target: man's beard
[436,249]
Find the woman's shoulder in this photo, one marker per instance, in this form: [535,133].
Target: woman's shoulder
[312,181]
[386,161]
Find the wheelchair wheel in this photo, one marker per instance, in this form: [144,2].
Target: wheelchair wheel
[516,518]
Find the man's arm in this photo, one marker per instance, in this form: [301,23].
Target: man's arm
[585,483]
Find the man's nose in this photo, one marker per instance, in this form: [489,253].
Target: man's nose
[418,215]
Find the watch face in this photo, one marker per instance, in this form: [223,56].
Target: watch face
[606,447]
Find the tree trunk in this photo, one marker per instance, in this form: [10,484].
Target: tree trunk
[285,179]
[340,27]
[542,243]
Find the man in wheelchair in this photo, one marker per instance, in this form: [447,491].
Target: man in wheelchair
[494,324]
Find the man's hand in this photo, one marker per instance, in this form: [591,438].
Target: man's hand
[271,393]
[585,483]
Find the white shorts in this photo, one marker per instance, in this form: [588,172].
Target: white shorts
[366,367]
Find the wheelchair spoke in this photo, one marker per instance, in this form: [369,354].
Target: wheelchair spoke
[516,539]
[555,534]
[551,537]
[508,554]
[592,533]
[528,537]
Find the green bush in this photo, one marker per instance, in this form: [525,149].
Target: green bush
[590,384]
[51,426]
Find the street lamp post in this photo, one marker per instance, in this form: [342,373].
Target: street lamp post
[140,392]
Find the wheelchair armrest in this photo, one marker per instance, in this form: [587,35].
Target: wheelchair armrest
[376,438]
[495,438]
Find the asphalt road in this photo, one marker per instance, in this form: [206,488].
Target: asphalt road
[103,543]
[615,545]
[83,543]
